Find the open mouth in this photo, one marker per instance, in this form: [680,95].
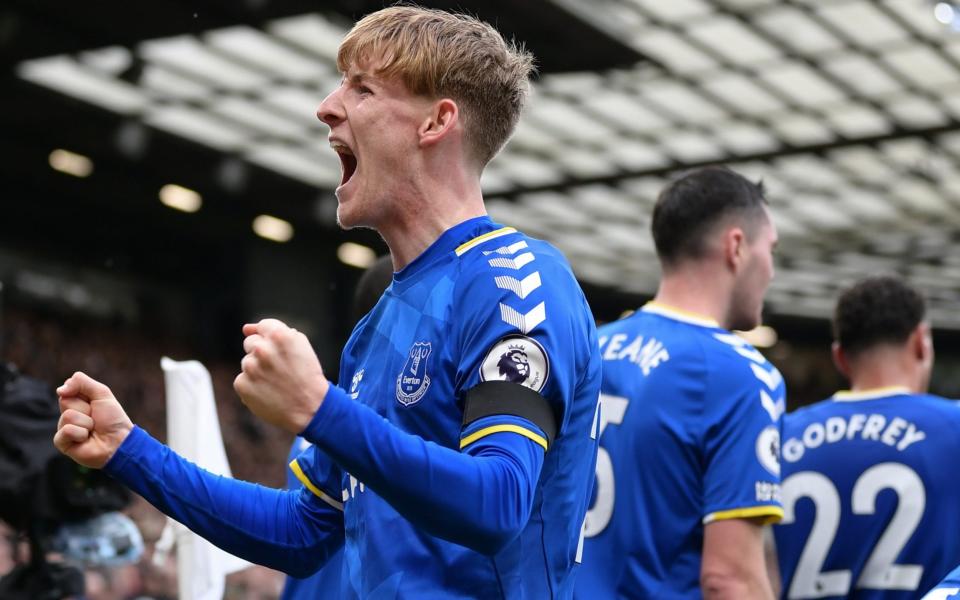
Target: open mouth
[348,162]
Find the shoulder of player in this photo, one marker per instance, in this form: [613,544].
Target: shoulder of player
[513,245]
[801,416]
[513,262]
[734,368]
[949,404]
[927,412]
[681,337]
[629,325]
[694,340]
[945,407]
[730,355]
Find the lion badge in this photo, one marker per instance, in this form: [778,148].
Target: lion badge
[517,359]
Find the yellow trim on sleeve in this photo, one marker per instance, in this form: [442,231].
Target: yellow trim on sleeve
[483,238]
[773,514]
[476,435]
[298,472]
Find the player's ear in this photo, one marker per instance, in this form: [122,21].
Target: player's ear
[840,360]
[734,247]
[920,343]
[440,122]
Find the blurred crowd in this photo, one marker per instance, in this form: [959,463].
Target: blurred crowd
[50,348]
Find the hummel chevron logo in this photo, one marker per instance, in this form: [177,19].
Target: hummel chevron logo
[525,322]
[774,409]
[512,263]
[771,378]
[520,288]
[511,249]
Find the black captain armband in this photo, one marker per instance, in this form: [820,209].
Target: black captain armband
[506,398]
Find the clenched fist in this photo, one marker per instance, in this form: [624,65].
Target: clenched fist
[281,380]
[92,423]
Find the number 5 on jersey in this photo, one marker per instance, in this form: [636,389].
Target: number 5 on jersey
[612,410]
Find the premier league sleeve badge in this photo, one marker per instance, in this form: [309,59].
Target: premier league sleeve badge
[517,359]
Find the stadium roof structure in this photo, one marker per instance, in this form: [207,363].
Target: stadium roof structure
[848,110]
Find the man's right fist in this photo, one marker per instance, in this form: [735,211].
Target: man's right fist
[92,423]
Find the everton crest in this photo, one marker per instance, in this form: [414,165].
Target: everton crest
[413,380]
[517,359]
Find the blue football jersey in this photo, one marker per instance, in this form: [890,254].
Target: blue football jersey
[328,582]
[690,430]
[870,500]
[483,303]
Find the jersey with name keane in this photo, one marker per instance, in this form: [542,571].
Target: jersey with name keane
[870,499]
[484,303]
[690,428]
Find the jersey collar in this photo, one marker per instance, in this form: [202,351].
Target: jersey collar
[677,314]
[462,234]
[872,394]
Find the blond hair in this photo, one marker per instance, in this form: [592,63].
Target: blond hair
[444,55]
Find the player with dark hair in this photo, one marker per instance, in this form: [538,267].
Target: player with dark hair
[688,469]
[870,501]
[443,478]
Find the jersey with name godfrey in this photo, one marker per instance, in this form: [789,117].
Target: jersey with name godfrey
[855,467]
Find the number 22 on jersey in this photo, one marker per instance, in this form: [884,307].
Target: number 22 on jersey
[879,572]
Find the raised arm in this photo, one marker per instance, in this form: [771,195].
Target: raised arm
[289,531]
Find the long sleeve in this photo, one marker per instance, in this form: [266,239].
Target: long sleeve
[481,498]
[293,532]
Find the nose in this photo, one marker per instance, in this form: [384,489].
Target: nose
[330,110]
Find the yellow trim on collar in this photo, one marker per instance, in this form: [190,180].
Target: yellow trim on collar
[539,439]
[871,394]
[679,314]
[773,514]
[298,472]
[462,248]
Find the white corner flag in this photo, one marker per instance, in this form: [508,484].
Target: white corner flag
[193,431]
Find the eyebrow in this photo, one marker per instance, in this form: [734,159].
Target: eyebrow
[358,77]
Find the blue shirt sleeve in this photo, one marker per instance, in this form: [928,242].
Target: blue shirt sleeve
[741,440]
[292,531]
[317,472]
[524,321]
[480,499]
[298,447]
[949,588]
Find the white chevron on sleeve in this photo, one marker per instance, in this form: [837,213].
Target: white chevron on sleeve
[511,249]
[774,409]
[771,378]
[525,322]
[742,347]
[512,263]
[520,288]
